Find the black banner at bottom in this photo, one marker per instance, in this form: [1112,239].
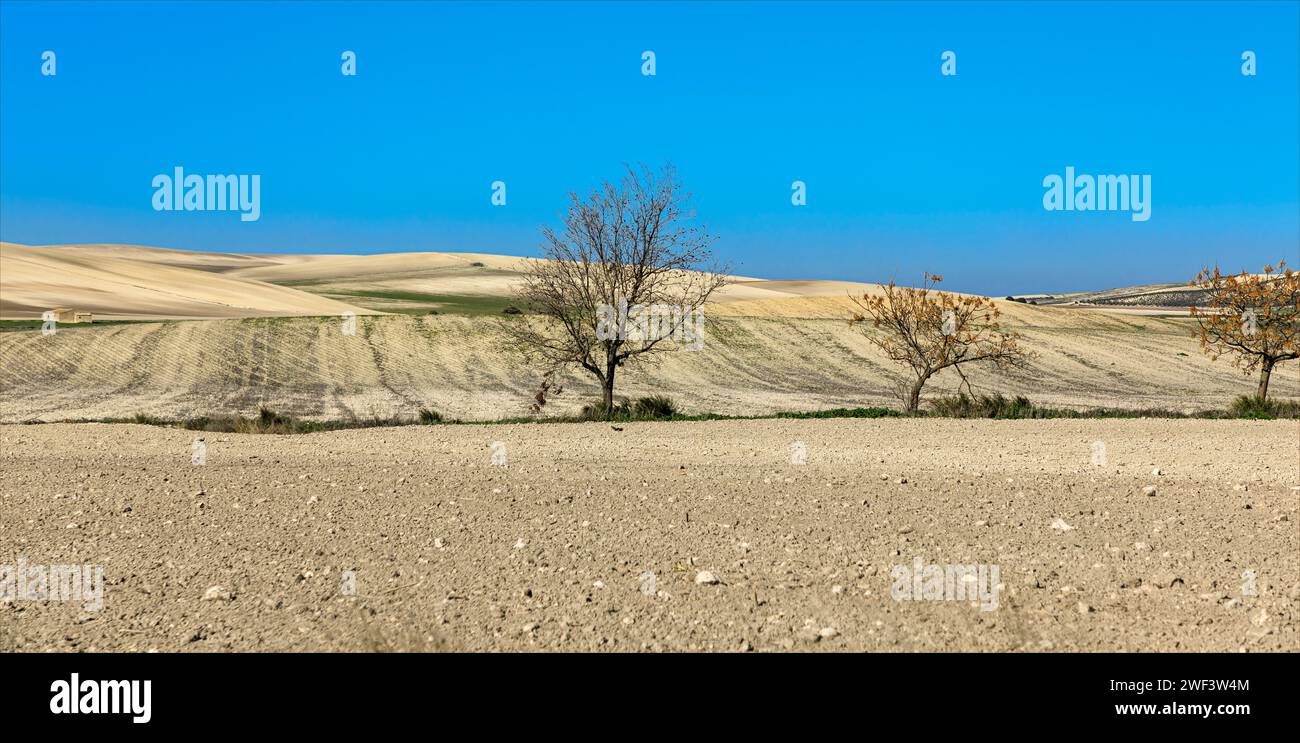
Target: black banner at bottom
[337,693]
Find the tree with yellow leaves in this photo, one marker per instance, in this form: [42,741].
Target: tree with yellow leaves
[930,330]
[1253,317]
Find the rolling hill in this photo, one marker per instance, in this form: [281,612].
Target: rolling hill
[274,339]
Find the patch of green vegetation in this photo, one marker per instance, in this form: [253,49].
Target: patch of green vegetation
[847,413]
[1019,408]
[12,325]
[984,406]
[16,325]
[652,408]
[655,406]
[1249,406]
[661,408]
[269,421]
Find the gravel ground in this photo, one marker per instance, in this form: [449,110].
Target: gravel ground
[662,536]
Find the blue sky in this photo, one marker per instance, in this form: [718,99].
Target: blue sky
[906,170]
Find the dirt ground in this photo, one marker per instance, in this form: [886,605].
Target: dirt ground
[413,539]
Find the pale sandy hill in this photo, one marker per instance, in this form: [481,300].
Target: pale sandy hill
[205,260]
[496,275]
[833,300]
[776,288]
[478,274]
[166,283]
[132,282]
[322,268]
[385,279]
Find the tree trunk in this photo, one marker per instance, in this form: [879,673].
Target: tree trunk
[1265,371]
[609,390]
[914,396]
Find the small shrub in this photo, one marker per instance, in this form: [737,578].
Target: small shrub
[954,406]
[267,421]
[476,264]
[844,413]
[596,411]
[513,310]
[1249,406]
[655,406]
[651,408]
[985,406]
[428,416]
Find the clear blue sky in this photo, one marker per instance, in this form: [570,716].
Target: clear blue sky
[907,170]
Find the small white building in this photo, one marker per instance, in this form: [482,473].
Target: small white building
[69,315]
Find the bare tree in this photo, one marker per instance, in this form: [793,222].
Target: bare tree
[1253,317]
[626,276]
[931,330]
